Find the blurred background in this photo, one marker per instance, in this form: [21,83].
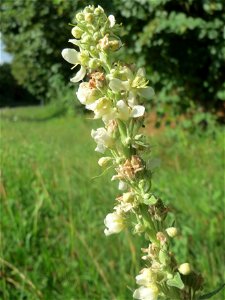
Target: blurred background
[52,241]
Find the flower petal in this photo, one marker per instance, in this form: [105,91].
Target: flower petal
[80,75]
[112,20]
[100,148]
[71,55]
[123,110]
[74,41]
[137,111]
[146,293]
[147,92]
[141,72]
[116,85]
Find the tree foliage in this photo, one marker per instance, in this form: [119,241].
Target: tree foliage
[35,32]
[181,44]
[12,94]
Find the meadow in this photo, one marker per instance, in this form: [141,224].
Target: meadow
[53,204]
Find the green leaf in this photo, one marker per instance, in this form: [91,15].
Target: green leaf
[210,295]
[150,201]
[176,281]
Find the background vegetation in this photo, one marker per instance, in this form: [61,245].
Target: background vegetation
[52,243]
[181,44]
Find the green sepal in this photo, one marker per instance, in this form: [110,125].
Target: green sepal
[163,257]
[211,294]
[176,282]
[151,200]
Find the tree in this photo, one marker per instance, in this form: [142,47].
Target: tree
[182,45]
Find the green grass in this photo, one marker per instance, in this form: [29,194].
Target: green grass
[52,211]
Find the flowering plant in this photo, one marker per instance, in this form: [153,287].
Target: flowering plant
[115,92]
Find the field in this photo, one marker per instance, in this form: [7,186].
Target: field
[52,208]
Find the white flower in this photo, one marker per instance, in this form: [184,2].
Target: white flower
[123,207]
[137,111]
[85,94]
[112,20]
[122,185]
[128,197]
[172,231]
[125,80]
[103,109]
[104,160]
[146,277]
[73,57]
[114,223]
[146,293]
[102,138]
[125,112]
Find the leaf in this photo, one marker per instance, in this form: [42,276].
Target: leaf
[211,294]
[150,200]
[176,281]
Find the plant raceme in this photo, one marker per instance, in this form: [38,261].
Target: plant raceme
[115,93]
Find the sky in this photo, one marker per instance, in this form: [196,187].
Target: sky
[4,56]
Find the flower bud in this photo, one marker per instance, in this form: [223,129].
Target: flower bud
[104,42]
[122,185]
[114,223]
[114,45]
[88,17]
[77,32]
[161,238]
[127,197]
[185,269]
[93,63]
[80,17]
[172,231]
[99,10]
[89,9]
[112,20]
[169,276]
[86,38]
[103,161]
[84,57]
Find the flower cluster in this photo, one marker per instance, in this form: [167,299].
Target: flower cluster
[115,93]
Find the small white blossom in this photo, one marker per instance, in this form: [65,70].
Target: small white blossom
[112,20]
[146,293]
[114,223]
[122,185]
[137,111]
[125,112]
[104,160]
[103,109]
[102,138]
[86,95]
[128,197]
[123,207]
[146,277]
[73,57]
[172,231]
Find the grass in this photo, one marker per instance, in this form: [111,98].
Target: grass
[52,210]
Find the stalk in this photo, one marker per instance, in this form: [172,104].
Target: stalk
[114,92]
